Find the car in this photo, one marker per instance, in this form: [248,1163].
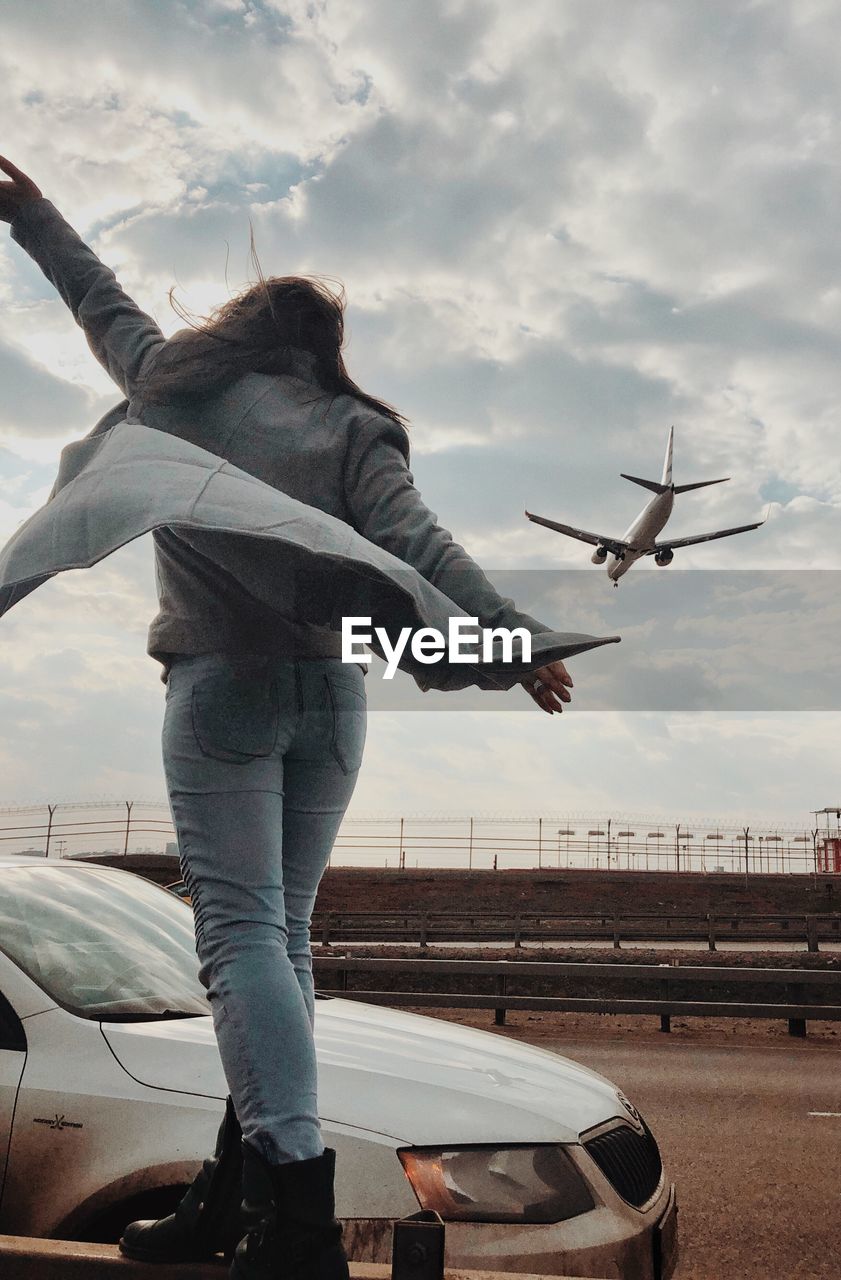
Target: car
[112,1091]
[179,888]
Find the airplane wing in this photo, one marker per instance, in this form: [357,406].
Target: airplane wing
[595,539]
[671,543]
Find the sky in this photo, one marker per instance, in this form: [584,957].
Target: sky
[561,229]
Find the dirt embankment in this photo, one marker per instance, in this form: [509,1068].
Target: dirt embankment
[689,893]
[566,891]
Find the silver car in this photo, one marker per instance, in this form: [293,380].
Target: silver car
[112,1090]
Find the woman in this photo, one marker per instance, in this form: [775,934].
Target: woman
[264,725]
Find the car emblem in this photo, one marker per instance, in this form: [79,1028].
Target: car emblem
[58,1122]
[630,1108]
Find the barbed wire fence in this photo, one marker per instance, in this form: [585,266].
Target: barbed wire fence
[489,840]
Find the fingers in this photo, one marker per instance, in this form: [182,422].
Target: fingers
[536,695]
[24,183]
[556,681]
[551,690]
[11,169]
[559,671]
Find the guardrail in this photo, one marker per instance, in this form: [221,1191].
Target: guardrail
[788,989]
[614,927]
[28,1258]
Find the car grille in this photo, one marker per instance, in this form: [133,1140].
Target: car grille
[629,1160]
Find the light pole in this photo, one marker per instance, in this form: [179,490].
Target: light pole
[627,837]
[716,836]
[776,841]
[564,831]
[598,833]
[801,840]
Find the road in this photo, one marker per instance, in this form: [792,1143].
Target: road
[628,944]
[744,1132]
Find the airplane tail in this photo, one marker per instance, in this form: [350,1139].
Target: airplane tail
[667,461]
[657,486]
[701,484]
[666,483]
[653,485]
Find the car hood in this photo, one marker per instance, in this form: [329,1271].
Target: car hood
[418,1079]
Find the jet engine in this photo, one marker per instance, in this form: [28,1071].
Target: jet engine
[599,555]
[664,557]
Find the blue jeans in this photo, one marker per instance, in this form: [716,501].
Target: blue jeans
[261,757]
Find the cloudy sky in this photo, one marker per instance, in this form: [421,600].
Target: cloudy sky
[562,227]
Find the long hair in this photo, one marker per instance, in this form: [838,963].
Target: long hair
[252,333]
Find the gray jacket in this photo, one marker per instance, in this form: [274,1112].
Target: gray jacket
[330,453]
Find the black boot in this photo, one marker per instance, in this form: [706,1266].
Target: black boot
[209,1219]
[300,1238]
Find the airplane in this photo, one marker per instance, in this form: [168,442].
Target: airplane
[641,538]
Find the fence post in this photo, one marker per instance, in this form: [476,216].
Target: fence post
[812,933]
[518,928]
[325,931]
[129,805]
[796,1026]
[711,931]
[665,1018]
[616,942]
[501,990]
[51,808]
[424,928]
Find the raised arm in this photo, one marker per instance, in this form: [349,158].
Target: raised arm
[120,335]
[386,507]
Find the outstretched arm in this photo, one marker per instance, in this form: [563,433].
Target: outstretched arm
[386,507]
[120,335]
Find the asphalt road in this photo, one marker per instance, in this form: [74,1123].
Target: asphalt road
[741,1126]
[581,944]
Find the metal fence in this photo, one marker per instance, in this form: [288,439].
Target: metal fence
[497,841]
[420,928]
[793,995]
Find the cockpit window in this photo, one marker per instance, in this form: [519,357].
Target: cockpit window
[102,943]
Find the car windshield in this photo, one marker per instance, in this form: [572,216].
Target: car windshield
[102,943]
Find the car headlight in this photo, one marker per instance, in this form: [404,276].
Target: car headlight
[528,1183]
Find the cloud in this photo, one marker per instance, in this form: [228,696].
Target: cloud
[562,227]
[39,403]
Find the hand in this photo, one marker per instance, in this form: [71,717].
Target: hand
[15,193]
[556,682]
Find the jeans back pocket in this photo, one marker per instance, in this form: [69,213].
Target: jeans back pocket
[236,714]
[349,707]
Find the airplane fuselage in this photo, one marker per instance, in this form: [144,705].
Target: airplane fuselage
[642,534]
